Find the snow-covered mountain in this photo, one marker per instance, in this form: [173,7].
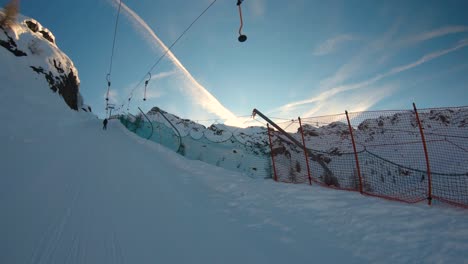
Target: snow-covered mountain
[34,45]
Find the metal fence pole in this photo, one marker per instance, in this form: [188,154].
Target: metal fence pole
[305,152]
[428,167]
[271,152]
[358,168]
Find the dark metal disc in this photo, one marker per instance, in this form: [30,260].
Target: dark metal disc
[242,38]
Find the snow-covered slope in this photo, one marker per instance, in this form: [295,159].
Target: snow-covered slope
[73,193]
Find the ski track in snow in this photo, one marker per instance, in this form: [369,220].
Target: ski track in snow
[51,240]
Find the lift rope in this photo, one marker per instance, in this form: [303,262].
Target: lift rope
[242,37]
[108,87]
[108,77]
[146,85]
[128,104]
[172,45]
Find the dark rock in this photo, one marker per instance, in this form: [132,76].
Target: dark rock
[66,85]
[216,130]
[441,116]
[298,167]
[47,35]
[308,131]
[11,46]
[281,151]
[331,180]
[335,151]
[32,25]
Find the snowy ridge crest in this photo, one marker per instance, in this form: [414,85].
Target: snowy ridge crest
[215,132]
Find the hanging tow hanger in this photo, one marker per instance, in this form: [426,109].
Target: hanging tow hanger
[128,105]
[146,85]
[241,37]
[107,94]
[108,86]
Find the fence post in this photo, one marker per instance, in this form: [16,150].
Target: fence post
[305,151]
[355,152]
[152,128]
[271,152]
[428,167]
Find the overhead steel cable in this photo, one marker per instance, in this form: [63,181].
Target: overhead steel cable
[108,77]
[115,36]
[169,48]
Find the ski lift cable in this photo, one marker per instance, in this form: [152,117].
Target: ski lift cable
[172,45]
[115,36]
[108,77]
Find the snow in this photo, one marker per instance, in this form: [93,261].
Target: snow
[71,192]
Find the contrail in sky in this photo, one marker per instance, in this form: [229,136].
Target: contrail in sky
[201,95]
[322,97]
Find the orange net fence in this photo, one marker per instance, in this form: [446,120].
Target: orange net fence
[403,155]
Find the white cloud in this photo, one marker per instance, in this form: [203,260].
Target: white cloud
[163,75]
[355,65]
[439,32]
[331,45]
[356,102]
[324,98]
[153,92]
[258,7]
[192,88]
[113,96]
[428,57]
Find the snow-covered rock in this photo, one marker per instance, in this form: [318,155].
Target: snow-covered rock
[31,44]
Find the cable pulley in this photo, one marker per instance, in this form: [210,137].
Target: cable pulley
[146,85]
[241,37]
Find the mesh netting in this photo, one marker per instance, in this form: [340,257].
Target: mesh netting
[446,133]
[328,138]
[290,165]
[392,162]
[390,152]
[220,147]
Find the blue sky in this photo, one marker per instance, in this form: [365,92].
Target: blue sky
[302,58]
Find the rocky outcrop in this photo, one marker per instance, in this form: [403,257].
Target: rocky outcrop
[65,84]
[30,38]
